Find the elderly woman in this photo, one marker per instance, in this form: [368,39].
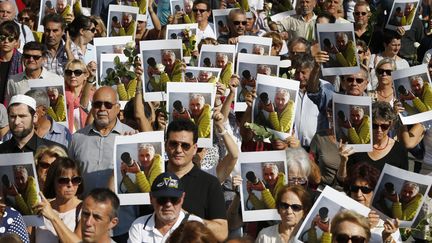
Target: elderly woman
[201,114]
[360,184]
[64,185]
[293,204]
[301,169]
[44,157]
[385,149]
[384,89]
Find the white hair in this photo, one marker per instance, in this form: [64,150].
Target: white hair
[200,97]
[146,146]
[359,109]
[271,165]
[418,78]
[169,52]
[284,92]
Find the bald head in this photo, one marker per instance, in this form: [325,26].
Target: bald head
[105,108]
[7,11]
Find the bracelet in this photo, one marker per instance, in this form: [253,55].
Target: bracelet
[223,132]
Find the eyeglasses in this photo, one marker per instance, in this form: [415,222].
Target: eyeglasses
[43,165]
[240,22]
[184,146]
[357,80]
[344,238]
[28,56]
[382,71]
[297,180]
[164,200]
[382,126]
[98,104]
[93,30]
[294,207]
[360,13]
[364,189]
[8,38]
[199,10]
[76,180]
[76,72]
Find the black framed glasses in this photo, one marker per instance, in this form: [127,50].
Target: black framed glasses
[165,200]
[360,52]
[382,126]
[76,180]
[344,238]
[175,144]
[44,165]
[294,207]
[28,56]
[364,189]
[357,80]
[77,72]
[9,38]
[199,10]
[240,22]
[380,71]
[360,13]
[106,104]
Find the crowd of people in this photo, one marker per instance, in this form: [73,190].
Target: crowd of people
[195,192]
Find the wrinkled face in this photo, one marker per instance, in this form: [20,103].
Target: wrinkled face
[61,5]
[74,81]
[288,216]
[45,159]
[168,60]
[356,117]
[280,101]
[204,77]
[96,222]
[359,196]
[393,47]
[221,62]
[69,190]
[7,11]
[21,179]
[340,43]
[196,107]
[350,229]
[408,193]
[29,60]
[356,84]
[169,211]
[180,148]
[53,95]
[296,49]
[145,156]
[296,175]
[361,15]
[103,116]
[126,20]
[302,75]
[307,6]
[238,26]
[270,177]
[53,33]
[332,6]
[417,87]
[20,121]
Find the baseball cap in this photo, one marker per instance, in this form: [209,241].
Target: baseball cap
[23,99]
[167,184]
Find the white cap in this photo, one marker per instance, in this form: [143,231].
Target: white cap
[23,99]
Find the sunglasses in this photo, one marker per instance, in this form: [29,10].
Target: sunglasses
[240,22]
[360,52]
[43,165]
[184,146]
[76,180]
[8,38]
[382,71]
[76,72]
[360,13]
[28,56]
[357,80]
[297,181]
[344,238]
[199,10]
[364,189]
[294,207]
[382,126]
[164,200]
[93,30]
[98,104]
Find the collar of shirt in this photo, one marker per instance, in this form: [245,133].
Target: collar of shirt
[41,76]
[118,128]
[150,225]
[314,17]
[55,127]
[30,146]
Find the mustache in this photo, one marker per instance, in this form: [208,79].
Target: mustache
[102,113]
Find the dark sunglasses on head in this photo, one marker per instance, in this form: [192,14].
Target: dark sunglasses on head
[199,10]
[8,38]
[174,145]
[360,13]
[344,238]
[76,72]
[43,165]
[382,71]
[357,80]
[98,104]
[164,200]
[294,207]
[240,22]
[364,189]
[93,30]
[28,56]
[383,126]
[76,180]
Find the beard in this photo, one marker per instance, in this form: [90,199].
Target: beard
[22,134]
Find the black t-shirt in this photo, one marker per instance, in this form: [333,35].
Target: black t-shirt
[204,196]
[4,71]
[11,146]
[398,157]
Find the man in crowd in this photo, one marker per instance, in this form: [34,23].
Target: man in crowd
[201,11]
[54,29]
[201,114]
[8,12]
[167,197]
[236,25]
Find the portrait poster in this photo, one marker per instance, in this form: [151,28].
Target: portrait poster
[202,74]
[122,20]
[402,14]
[256,45]
[185,32]
[220,21]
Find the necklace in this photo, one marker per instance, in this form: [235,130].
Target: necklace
[385,97]
[388,139]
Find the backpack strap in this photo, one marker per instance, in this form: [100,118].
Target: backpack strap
[77,213]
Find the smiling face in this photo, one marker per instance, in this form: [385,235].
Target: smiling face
[281,100]
[332,7]
[288,216]
[145,156]
[201,13]
[196,106]
[408,193]
[393,47]
[238,25]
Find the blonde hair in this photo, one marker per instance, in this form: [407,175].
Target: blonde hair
[352,217]
[53,151]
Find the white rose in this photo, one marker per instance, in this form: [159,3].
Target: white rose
[130,45]
[160,67]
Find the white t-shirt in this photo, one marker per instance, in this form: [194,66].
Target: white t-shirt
[47,232]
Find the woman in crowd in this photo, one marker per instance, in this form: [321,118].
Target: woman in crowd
[44,157]
[78,84]
[360,184]
[349,226]
[385,149]
[142,33]
[384,88]
[293,204]
[302,170]
[81,31]
[64,185]
[100,27]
